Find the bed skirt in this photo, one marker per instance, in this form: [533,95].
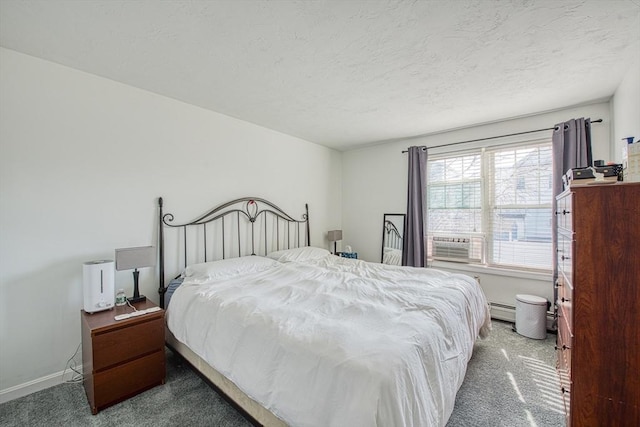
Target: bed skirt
[259,413]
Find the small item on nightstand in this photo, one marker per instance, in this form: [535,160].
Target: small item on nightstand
[121,297]
[348,254]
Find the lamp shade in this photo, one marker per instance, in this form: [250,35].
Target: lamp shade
[334,235]
[130,258]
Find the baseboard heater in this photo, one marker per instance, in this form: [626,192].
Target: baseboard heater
[507,313]
[503,312]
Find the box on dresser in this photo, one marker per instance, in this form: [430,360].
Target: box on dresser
[598,242]
[586,176]
[121,358]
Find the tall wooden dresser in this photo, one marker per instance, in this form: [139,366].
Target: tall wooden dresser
[599,304]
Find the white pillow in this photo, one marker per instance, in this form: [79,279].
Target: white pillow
[306,253]
[229,267]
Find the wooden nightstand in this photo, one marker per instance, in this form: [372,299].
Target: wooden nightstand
[121,358]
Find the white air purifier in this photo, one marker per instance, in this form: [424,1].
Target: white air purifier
[98,285]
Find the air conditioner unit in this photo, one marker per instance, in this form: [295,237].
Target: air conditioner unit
[451,248]
[457,248]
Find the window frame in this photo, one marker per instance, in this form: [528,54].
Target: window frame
[488,204]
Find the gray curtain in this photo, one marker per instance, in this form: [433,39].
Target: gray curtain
[571,148]
[413,252]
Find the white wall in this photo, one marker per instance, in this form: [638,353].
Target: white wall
[375,181]
[626,110]
[82,162]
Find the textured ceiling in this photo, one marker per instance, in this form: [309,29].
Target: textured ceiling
[343,73]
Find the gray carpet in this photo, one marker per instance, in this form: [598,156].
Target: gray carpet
[510,381]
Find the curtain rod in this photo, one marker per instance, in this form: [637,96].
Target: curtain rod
[495,137]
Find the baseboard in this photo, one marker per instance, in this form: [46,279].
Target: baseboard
[507,313]
[33,386]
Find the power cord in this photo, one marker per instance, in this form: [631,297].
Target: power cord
[77,376]
[129,304]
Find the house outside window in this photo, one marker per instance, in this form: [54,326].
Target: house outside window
[491,206]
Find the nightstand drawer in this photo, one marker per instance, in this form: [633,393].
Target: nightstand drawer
[116,346]
[129,379]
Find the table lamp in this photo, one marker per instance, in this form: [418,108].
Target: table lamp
[135,258]
[334,236]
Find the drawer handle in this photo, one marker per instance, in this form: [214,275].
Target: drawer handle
[564,257]
[564,390]
[563,299]
[564,212]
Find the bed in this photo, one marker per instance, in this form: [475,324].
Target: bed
[296,336]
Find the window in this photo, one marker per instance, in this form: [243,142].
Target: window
[491,206]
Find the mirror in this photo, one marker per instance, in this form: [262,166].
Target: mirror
[392,235]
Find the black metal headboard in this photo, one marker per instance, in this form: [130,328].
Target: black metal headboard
[250,229]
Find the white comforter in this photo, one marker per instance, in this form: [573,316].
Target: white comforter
[336,341]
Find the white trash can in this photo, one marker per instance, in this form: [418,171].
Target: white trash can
[531,316]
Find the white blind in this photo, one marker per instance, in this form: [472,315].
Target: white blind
[520,194]
[454,208]
[492,205]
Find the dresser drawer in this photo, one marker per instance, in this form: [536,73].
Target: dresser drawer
[565,256]
[565,303]
[129,379]
[564,213]
[565,342]
[116,346]
[565,388]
